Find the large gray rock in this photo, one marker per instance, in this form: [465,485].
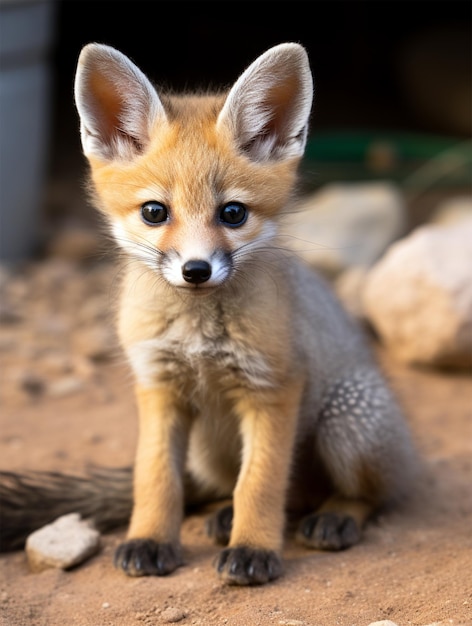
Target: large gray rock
[66,542]
[418,297]
[345,225]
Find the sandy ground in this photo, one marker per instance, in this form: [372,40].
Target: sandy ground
[66,401]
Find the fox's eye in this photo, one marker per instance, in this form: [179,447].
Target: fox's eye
[153,213]
[233,214]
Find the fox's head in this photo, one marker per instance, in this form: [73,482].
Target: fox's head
[192,185]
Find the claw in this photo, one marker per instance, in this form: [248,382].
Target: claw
[143,557]
[248,566]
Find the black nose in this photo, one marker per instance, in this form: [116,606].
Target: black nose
[196,271]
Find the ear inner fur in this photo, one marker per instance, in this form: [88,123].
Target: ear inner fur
[117,104]
[269,106]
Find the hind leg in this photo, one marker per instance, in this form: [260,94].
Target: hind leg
[365,448]
[220,524]
[334,526]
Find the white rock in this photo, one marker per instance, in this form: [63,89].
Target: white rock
[64,543]
[418,297]
[383,622]
[453,210]
[349,287]
[345,225]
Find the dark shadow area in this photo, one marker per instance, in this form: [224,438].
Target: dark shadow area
[385,72]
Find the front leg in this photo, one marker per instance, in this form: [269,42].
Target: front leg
[153,544]
[268,427]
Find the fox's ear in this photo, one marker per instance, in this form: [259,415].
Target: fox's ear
[117,104]
[269,106]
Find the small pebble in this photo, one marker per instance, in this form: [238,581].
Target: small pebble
[32,384]
[8,315]
[65,386]
[171,615]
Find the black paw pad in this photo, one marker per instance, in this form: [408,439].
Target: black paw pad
[219,525]
[248,566]
[328,531]
[146,557]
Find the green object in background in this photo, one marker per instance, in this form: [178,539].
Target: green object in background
[410,159]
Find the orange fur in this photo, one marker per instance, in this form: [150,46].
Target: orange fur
[247,371]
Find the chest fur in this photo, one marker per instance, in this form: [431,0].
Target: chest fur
[203,355]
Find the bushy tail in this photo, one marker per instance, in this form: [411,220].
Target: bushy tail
[31,500]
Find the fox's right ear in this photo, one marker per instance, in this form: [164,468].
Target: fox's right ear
[117,104]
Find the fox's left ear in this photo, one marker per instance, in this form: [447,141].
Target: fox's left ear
[269,106]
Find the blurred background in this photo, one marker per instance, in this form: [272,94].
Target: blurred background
[392,91]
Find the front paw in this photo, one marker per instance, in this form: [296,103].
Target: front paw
[146,557]
[248,566]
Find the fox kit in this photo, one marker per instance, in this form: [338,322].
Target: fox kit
[251,382]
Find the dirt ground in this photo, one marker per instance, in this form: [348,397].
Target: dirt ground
[66,401]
